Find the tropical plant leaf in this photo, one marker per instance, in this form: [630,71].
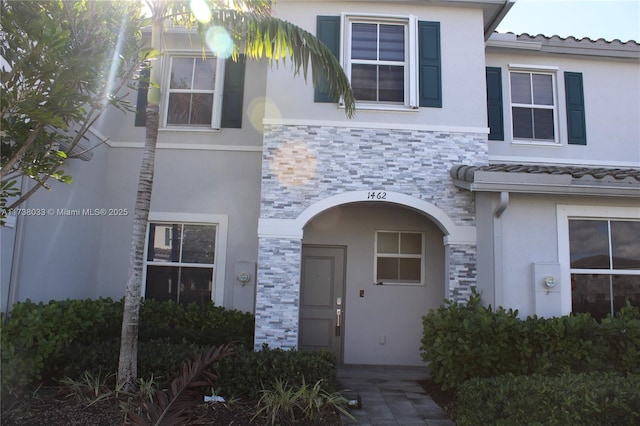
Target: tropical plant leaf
[174,407]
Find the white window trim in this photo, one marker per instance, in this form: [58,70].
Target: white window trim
[411,90]
[216,113]
[422,258]
[222,224]
[566,212]
[536,69]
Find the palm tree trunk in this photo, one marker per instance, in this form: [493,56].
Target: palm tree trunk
[128,363]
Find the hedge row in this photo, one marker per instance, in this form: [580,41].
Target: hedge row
[240,376]
[568,399]
[246,375]
[41,341]
[463,341]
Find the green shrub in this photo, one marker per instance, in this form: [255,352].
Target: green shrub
[569,399]
[470,340]
[247,374]
[203,324]
[617,342]
[44,341]
[36,334]
[462,341]
[159,358]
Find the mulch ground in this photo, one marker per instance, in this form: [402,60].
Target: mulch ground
[47,407]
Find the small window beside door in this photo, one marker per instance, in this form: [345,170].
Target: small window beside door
[399,258]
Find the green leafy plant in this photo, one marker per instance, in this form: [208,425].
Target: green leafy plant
[245,375]
[47,341]
[463,341]
[285,403]
[312,400]
[277,403]
[91,388]
[568,399]
[34,337]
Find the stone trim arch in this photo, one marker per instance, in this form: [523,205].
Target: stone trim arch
[293,228]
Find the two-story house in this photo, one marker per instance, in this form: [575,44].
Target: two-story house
[509,163]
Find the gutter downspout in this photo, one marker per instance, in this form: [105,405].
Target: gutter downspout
[498,264]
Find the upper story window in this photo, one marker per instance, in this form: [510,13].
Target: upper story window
[533,106]
[194,92]
[392,62]
[399,257]
[378,61]
[198,92]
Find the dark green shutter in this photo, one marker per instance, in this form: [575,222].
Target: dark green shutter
[576,123]
[233,93]
[141,103]
[494,104]
[429,63]
[328,31]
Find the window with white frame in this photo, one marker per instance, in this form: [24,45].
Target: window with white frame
[605,265]
[181,262]
[533,106]
[378,59]
[399,257]
[194,91]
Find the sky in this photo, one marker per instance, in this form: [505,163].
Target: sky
[608,19]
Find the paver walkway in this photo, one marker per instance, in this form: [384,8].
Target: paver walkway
[390,396]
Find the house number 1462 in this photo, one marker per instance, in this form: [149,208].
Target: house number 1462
[376,195]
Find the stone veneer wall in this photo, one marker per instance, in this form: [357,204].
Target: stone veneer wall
[305,164]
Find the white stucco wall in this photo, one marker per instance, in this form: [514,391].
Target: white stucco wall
[198,172]
[463,79]
[384,326]
[529,229]
[612,108]
[59,251]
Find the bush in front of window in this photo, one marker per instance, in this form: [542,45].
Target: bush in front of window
[202,324]
[464,341]
[35,336]
[42,342]
[569,399]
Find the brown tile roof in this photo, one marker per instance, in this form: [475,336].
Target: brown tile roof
[466,173]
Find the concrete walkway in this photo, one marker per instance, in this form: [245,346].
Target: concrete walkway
[390,396]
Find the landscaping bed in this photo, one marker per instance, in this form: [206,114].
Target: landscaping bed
[48,407]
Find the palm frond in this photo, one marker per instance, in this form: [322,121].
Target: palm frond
[261,36]
[174,406]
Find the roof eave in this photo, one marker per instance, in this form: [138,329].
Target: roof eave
[561,184]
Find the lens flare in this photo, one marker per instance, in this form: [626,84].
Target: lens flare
[259,108]
[294,164]
[200,10]
[219,41]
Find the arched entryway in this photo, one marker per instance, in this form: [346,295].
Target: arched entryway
[450,268]
[369,273]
